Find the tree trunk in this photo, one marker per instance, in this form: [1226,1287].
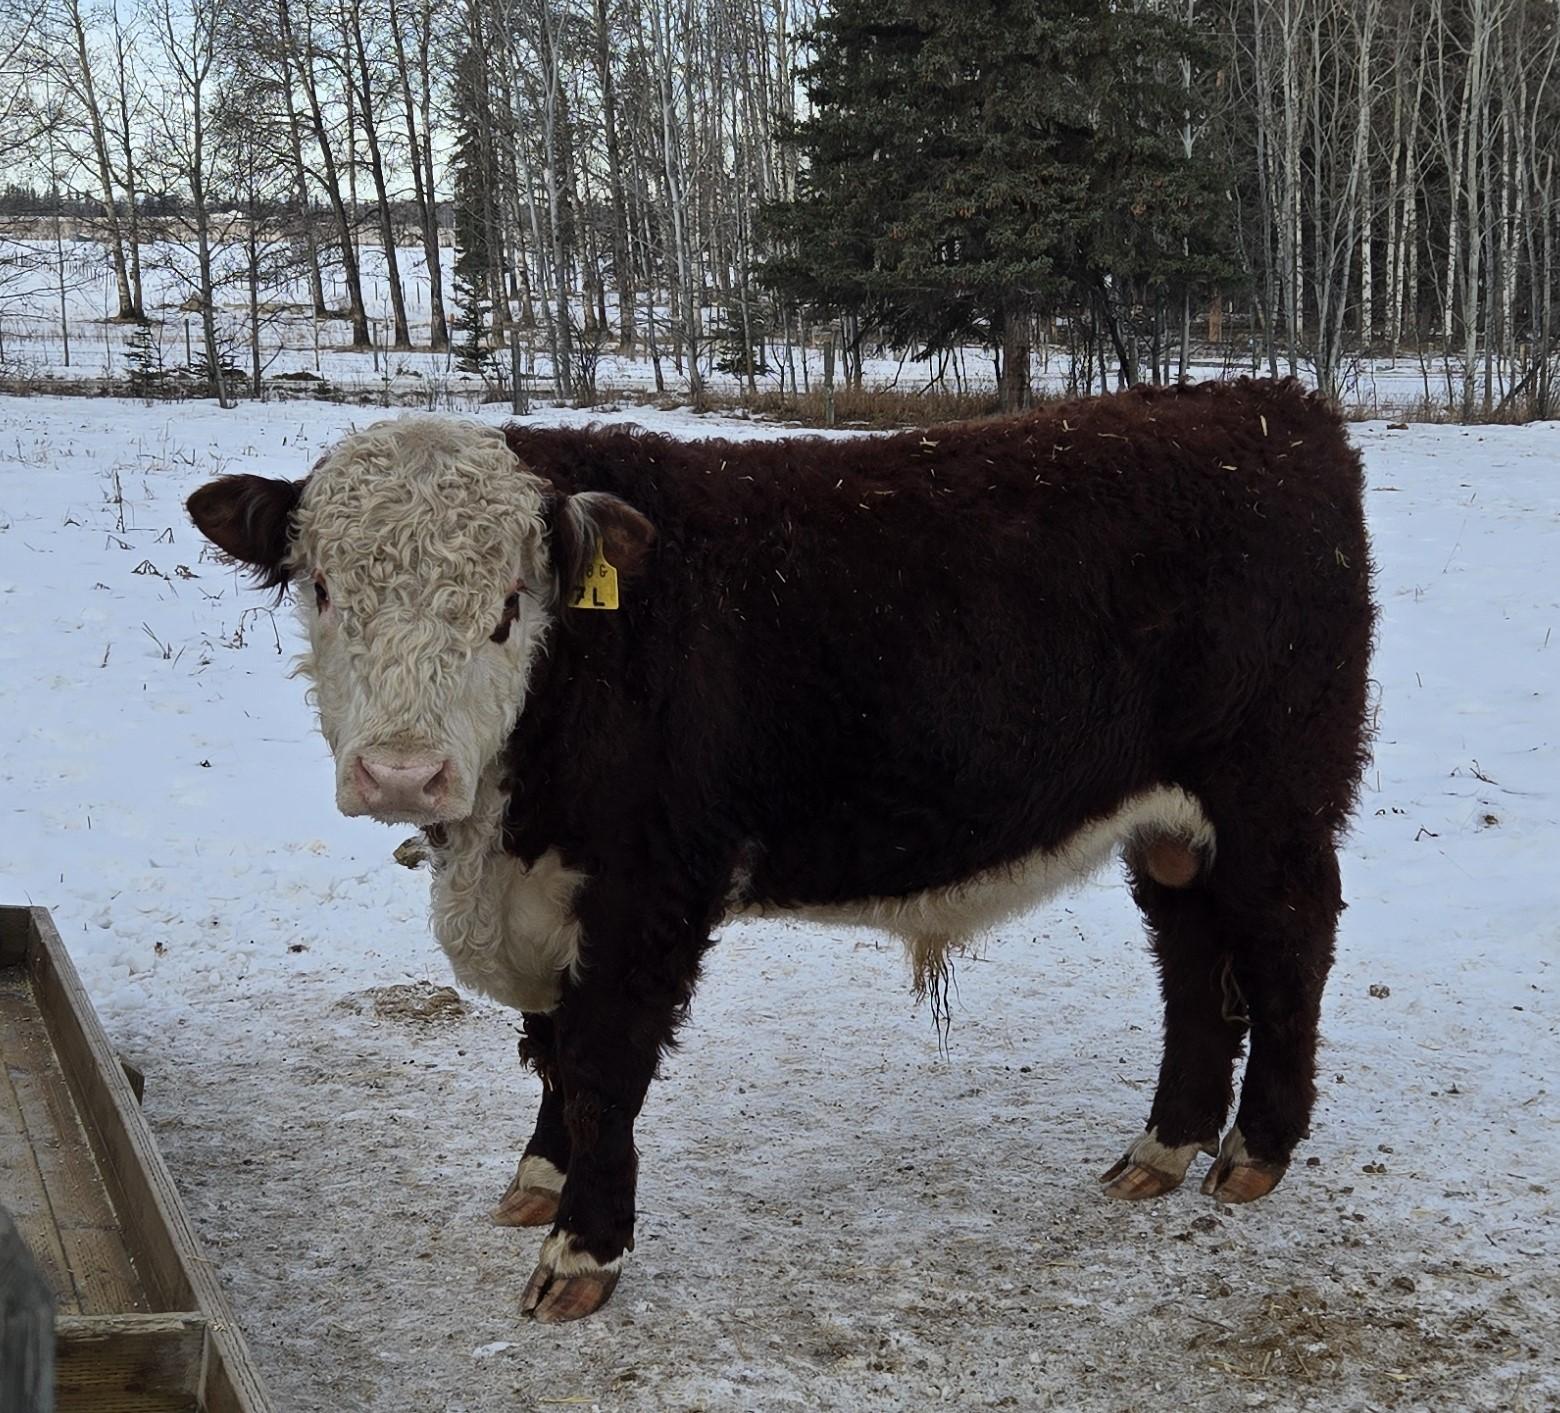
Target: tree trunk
[123,135]
[401,338]
[1544,406]
[86,87]
[556,166]
[678,207]
[420,160]
[255,366]
[208,291]
[301,187]
[304,63]
[1014,323]
[1367,267]
[622,267]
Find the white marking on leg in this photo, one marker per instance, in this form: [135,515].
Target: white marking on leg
[1233,1149]
[1148,1152]
[563,1258]
[536,1174]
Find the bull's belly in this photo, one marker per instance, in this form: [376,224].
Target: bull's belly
[932,919]
[510,929]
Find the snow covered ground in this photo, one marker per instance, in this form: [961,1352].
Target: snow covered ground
[834,1214]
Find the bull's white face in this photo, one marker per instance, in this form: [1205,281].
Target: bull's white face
[419,554]
[419,559]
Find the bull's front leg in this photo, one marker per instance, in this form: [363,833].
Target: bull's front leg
[532,1198]
[611,1025]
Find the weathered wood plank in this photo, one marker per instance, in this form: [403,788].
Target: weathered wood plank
[105,1278]
[26,1327]
[157,1230]
[125,1153]
[22,1186]
[129,1363]
[101,1278]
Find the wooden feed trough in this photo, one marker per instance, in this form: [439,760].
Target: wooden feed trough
[141,1325]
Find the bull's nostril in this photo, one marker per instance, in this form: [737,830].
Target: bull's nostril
[439,783]
[367,786]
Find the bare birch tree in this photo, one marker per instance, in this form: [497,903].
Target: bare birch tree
[190,39]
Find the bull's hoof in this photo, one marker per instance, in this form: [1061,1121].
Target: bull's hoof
[1128,1182]
[1149,1169]
[530,1207]
[1238,1177]
[552,1299]
[1241,1182]
[532,1198]
[568,1284]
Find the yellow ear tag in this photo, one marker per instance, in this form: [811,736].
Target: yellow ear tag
[599,588]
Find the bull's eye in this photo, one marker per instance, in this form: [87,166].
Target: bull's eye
[321,593]
[511,612]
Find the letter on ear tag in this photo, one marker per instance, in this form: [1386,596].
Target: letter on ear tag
[598,589]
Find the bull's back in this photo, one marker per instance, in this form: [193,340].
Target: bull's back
[1136,573]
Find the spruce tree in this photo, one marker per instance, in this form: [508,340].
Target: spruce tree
[471,337]
[740,335]
[970,162]
[148,377]
[1154,225]
[205,375]
[938,180]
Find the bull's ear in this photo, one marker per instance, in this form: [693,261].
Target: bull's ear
[595,519]
[249,518]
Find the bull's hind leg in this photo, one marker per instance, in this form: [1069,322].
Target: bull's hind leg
[1203,1023]
[1286,951]
[532,1198]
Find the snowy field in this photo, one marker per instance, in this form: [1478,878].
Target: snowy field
[834,1214]
[33,339]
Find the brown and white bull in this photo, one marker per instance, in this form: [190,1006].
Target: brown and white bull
[914,682]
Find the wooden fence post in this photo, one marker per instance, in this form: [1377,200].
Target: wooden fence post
[26,1328]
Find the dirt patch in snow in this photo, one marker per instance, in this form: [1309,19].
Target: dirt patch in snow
[1300,1341]
[410,1003]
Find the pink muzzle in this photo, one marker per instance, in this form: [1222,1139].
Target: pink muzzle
[418,785]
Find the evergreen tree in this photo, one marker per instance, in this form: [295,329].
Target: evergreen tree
[741,337]
[148,377]
[472,167]
[967,162]
[1154,226]
[205,375]
[472,337]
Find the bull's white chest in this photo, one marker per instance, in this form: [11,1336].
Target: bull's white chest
[509,930]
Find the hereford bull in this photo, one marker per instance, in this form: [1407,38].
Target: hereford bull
[630,686]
